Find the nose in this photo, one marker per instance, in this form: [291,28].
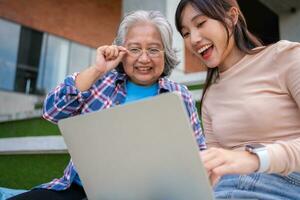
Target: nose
[195,37]
[144,58]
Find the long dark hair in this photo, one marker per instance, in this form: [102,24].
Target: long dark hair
[217,9]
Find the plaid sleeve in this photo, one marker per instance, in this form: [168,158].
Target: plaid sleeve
[194,118]
[64,101]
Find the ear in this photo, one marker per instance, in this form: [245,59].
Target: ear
[233,13]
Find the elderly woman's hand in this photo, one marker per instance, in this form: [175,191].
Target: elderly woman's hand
[219,162]
[108,57]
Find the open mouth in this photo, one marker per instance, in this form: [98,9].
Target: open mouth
[206,51]
[143,69]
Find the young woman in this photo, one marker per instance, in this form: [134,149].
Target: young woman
[134,68]
[250,106]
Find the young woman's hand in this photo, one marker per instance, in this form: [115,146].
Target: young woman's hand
[108,57]
[219,162]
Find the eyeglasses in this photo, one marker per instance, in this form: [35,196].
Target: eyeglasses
[151,52]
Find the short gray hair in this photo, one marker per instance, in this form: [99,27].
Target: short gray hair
[164,28]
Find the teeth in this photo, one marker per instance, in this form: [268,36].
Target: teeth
[205,47]
[143,68]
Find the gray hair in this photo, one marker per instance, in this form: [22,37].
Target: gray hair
[164,28]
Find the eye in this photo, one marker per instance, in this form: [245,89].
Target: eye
[153,51]
[185,34]
[135,50]
[200,24]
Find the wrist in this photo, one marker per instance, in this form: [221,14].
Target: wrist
[254,161]
[261,153]
[97,71]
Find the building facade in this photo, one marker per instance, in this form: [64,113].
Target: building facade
[43,41]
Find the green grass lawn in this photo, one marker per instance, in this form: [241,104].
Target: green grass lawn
[28,127]
[195,87]
[27,171]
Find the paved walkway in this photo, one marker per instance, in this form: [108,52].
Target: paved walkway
[33,145]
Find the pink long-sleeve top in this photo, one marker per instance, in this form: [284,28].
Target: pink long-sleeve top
[258,101]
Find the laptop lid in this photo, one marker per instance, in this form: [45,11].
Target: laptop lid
[141,150]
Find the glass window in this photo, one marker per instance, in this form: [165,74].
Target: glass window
[35,62]
[54,62]
[30,45]
[93,56]
[80,57]
[9,41]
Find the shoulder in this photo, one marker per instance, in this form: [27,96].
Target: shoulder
[286,54]
[111,78]
[182,90]
[285,44]
[286,48]
[279,55]
[278,48]
[172,86]
[112,75]
[287,61]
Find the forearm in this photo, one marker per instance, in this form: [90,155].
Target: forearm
[284,156]
[87,78]
[64,101]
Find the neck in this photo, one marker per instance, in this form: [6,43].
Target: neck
[234,56]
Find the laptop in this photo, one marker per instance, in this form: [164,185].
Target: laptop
[144,150]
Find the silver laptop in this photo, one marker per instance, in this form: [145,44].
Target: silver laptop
[145,150]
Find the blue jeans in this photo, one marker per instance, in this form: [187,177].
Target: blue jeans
[259,186]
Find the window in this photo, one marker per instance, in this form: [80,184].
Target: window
[54,61]
[34,62]
[9,40]
[30,45]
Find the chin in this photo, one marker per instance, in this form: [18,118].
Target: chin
[211,65]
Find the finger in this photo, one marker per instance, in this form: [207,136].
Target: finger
[223,170]
[122,48]
[120,56]
[100,52]
[207,155]
[113,63]
[214,163]
[116,51]
[208,173]
[105,51]
[214,179]
[101,49]
[110,53]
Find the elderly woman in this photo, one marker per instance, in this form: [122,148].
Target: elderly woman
[135,67]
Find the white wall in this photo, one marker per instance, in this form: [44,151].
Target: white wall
[132,5]
[290,26]
[178,41]
[12,102]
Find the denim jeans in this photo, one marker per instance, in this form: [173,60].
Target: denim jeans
[260,186]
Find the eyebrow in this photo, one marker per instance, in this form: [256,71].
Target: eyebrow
[196,16]
[152,43]
[193,19]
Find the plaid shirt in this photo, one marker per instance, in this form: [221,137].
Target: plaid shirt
[66,100]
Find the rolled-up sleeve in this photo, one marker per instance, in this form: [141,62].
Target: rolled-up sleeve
[64,101]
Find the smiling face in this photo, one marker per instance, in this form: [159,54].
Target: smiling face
[143,70]
[207,38]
